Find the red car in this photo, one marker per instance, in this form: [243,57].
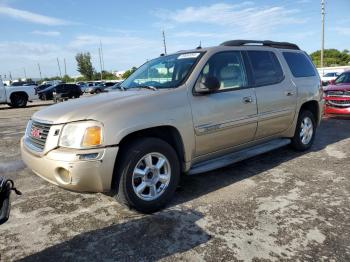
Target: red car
[337,95]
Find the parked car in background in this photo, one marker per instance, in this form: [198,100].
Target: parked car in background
[215,106]
[64,90]
[329,77]
[337,95]
[17,96]
[42,87]
[115,87]
[23,83]
[96,89]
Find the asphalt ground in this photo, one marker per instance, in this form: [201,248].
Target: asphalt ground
[281,205]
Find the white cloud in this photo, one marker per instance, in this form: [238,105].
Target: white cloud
[28,50]
[46,33]
[243,17]
[31,17]
[345,31]
[193,34]
[120,42]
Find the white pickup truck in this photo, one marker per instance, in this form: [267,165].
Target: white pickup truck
[17,96]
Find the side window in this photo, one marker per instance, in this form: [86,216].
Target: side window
[228,68]
[64,88]
[300,65]
[266,67]
[59,88]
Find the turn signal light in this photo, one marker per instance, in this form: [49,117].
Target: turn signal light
[92,136]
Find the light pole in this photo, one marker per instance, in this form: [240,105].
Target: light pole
[322,34]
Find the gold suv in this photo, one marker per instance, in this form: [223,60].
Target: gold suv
[188,112]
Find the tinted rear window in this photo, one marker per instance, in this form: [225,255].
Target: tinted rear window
[266,67]
[299,64]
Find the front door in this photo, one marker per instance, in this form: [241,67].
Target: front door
[227,117]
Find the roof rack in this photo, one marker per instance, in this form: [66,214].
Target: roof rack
[269,43]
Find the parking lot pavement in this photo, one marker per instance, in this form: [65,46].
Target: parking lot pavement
[281,205]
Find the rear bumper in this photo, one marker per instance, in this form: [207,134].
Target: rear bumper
[63,168]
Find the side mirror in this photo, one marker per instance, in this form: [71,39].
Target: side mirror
[207,85]
[332,82]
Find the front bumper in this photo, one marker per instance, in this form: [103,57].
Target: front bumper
[64,168]
[334,109]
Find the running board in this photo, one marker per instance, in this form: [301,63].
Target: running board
[235,157]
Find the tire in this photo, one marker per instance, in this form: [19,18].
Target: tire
[98,91]
[303,140]
[135,155]
[19,100]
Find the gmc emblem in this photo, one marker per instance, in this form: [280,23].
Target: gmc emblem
[35,132]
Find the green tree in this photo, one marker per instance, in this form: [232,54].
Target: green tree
[67,79]
[84,65]
[332,57]
[127,73]
[105,76]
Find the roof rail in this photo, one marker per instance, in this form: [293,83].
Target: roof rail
[269,43]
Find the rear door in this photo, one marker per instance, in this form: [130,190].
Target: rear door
[276,94]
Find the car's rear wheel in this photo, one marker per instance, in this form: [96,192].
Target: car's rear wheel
[149,173]
[19,100]
[305,131]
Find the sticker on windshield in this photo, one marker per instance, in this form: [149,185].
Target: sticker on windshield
[188,55]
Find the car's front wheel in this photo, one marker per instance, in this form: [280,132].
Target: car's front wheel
[149,173]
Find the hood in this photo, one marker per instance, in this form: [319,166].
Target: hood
[338,87]
[87,107]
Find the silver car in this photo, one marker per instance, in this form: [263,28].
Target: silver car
[188,112]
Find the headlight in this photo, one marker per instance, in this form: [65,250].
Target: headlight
[28,128]
[85,134]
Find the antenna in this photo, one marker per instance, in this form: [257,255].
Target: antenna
[164,43]
[25,73]
[200,45]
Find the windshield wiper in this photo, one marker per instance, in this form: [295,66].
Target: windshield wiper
[147,87]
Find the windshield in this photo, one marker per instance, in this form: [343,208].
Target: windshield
[163,72]
[343,78]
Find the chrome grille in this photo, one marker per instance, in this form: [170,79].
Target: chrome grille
[338,93]
[38,133]
[340,103]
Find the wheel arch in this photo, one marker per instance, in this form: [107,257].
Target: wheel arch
[313,107]
[19,93]
[167,133]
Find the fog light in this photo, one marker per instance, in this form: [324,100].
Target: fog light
[64,175]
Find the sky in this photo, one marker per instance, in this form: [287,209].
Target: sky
[40,31]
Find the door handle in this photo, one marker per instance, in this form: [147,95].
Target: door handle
[247,99]
[289,93]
